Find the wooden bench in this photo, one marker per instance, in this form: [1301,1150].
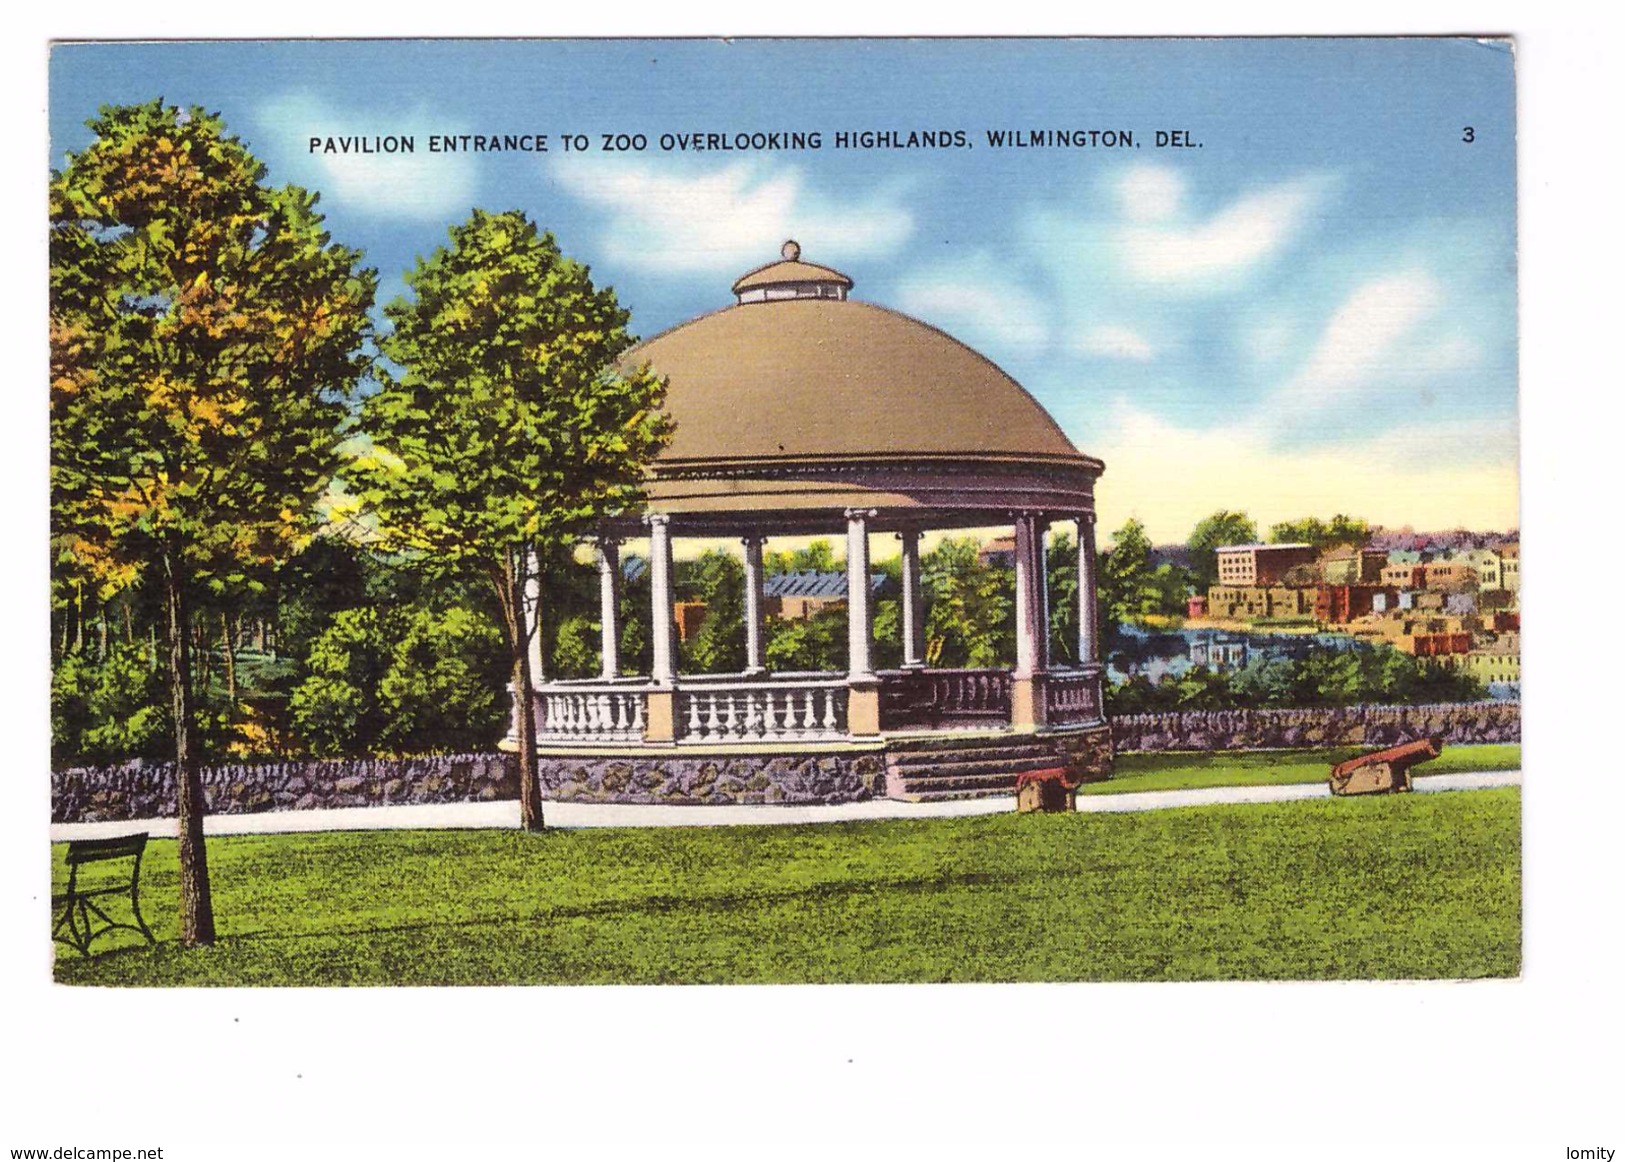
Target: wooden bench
[80,912]
[1383,771]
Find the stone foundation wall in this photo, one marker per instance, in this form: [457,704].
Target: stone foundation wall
[1088,753]
[1374,726]
[145,790]
[693,779]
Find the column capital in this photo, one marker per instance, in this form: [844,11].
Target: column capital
[908,533]
[753,539]
[1085,518]
[657,520]
[865,514]
[607,540]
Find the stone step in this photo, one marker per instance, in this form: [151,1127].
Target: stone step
[960,784]
[953,740]
[1022,753]
[983,766]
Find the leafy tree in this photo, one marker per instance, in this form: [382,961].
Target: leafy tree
[814,643]
[204,333]
[1340,530]
[336,709]
[718,579]
[108,709]
[443,688]
[1211,532]
[818,557]
[508,429]
[970,606]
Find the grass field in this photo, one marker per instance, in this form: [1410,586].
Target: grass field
[1379,887]
[1182,770]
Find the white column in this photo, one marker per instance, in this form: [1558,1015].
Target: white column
[1088,631]
[664,667]
[1041,580]
[1029,598]
[753,604]
[913,602]
[532,616]
[609,604]
[858,613]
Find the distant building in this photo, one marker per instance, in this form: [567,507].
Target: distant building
[1260,601]
[690,616]
[1461,604]
[1337,604]
[1452,576]
[797,596]
[1196,606]
[1351,566]
[1496,664]
[1218,654]
[1404,575]
[1261,565]
[998,551]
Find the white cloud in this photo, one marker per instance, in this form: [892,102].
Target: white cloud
[726,219]
[1150,193]
[1170,477]
[1362,342]
[971,300]
[1113,342]
[399,185]
[1244,235]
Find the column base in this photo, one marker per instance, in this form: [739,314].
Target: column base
[863,707]
[660,716]
[1027,702]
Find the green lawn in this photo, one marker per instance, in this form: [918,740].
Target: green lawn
[1181,770]
[1385,886]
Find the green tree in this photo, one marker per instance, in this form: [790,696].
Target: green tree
[442,690]
[336,710]
[205,332]
[508,430]
[717,579]
[1340,530]
[970,615]
[1211,532]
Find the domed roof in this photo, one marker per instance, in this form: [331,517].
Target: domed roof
[833,380]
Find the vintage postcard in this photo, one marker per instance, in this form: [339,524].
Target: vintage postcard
[784,511]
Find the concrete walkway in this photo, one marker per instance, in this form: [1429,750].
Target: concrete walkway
[564,815]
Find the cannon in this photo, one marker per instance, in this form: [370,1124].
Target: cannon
[1383,771]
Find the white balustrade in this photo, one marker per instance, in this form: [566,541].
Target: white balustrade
[605,712]
[762,711]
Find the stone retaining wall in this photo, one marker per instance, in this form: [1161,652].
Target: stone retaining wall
[692,779]
[141,789]
[1467,722]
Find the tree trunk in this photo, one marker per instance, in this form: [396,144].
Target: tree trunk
[231,662]
[197,906]
[511,590]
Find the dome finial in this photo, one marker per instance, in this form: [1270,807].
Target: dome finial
[791,250]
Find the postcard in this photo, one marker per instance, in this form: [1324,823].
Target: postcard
[784,511]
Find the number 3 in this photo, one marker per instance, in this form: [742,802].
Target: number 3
[1467,134]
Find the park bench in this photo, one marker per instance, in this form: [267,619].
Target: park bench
[79,909]
[1049,790]
[1383,771]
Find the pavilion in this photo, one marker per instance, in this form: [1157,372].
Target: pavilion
[800,411]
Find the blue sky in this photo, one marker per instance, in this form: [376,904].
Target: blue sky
[1314,311]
